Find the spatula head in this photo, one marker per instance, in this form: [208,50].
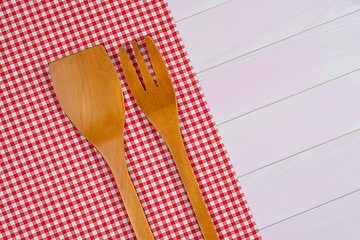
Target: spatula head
[88,89]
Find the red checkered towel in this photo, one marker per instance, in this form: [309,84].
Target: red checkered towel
[54,184]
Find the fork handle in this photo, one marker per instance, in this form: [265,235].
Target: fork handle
[177,149]
[131,201]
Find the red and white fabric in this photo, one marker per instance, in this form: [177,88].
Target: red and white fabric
[54,184]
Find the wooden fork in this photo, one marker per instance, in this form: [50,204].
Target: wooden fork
[88,89]
[158,102]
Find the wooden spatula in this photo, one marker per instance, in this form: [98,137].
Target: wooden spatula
[88,89]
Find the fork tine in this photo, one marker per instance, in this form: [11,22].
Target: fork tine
[130,73]
[161,72]
[148,80]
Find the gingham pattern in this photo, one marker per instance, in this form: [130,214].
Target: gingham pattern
[54,185]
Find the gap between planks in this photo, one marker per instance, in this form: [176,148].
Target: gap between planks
[298,153]
[283,70]
[328,202]
[239,27]
[294,125]
[203,79]
[201,10]
[338,219]
[274,43]
[287,97]
[304,181]
[311,209]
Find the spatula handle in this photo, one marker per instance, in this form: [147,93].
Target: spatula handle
[183,165]
[132,203]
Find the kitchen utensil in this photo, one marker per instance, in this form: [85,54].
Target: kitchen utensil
[88,89]
[158,102]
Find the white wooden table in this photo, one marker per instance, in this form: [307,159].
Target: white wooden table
[282,80]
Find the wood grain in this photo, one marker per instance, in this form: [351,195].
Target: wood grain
[304,181]
[253,54]
[281,70]
[239,27]
[293,125]
[187,8]
[336,220]
[88,89]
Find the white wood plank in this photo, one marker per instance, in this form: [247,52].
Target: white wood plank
[334,221]
[182,9]
[283,69]
[294,124]
[304,181]
[239,27]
